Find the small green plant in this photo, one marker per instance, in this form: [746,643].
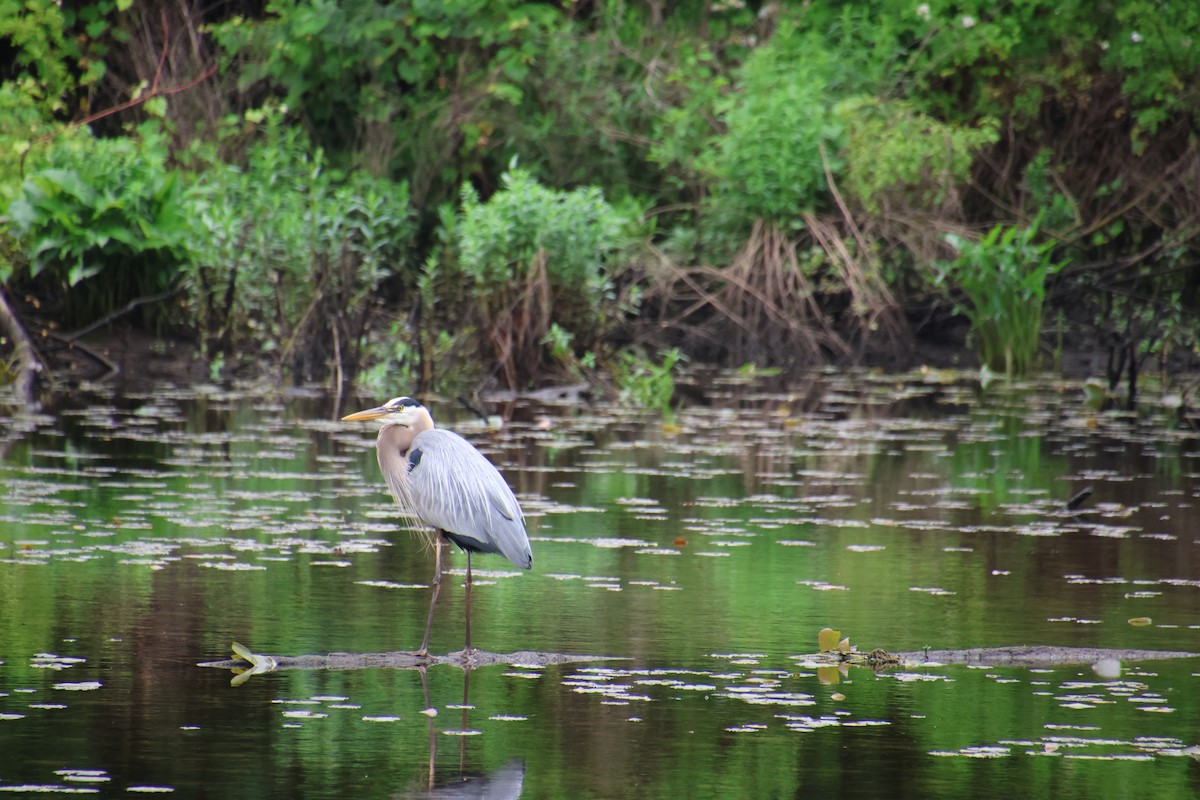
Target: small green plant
[647,384]
[1003,276]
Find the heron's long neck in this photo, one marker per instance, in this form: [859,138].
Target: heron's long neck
[423,422]
[399,438]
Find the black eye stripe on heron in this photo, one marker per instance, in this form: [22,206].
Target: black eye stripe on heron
[401,402]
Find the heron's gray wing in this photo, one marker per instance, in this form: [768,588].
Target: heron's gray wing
[457,490]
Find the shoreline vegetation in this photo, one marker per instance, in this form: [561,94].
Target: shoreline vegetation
[460,196]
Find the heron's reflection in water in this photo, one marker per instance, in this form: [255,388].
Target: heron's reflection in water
[505,782]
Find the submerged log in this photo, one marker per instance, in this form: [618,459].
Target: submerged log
[247,663]
[1012,656]
[1037,656]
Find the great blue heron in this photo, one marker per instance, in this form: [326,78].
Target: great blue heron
[441,481]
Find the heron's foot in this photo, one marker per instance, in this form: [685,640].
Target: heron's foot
[467,655]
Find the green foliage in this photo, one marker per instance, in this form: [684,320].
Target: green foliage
[94,204]
[898,154]
[34,30]
[349,65]
[1154,47]
[293,252]
[537,261]
[716,116]
[780,133]
[391,362]
[684,130]
[648,384]
[979,60]
[37,79]
[1003,276]
[577,231]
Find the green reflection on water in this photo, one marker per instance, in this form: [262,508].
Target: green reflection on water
[144,541]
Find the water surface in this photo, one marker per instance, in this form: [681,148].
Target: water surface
[143,534]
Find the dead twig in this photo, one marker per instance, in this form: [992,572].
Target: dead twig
[107,318]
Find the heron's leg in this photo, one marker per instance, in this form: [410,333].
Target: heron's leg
[468,650]
[432,738]
[437,587]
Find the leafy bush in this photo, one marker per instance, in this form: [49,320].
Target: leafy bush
[536,258]
[373,78]
[1003,276]
[113,205]
[33,33]
[898,155]
[293,253]
[768,164]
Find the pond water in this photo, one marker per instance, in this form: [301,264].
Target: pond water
[142,535]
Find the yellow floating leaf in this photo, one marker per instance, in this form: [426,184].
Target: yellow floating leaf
[844,645]
[837,696]
[827,640]
[1140,622]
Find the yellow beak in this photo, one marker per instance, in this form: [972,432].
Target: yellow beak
[370,413]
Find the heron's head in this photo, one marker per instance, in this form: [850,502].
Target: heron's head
[397,411]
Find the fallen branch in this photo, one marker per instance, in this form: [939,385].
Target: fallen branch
[28,363]
[107,318]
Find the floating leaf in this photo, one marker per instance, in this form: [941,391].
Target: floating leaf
[827,640]
[1140,622]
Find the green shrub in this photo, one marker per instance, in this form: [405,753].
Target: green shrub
[768,164]
[293,252]
[897,155]
[538,258]
[103,205]
[34,35]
